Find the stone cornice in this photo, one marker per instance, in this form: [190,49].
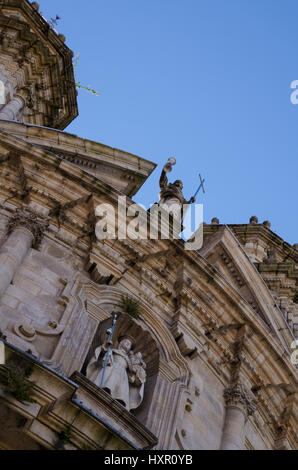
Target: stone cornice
[289,269]
[85,154]
[114,409]
[244,232]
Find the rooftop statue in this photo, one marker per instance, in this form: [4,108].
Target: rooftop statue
[171,193]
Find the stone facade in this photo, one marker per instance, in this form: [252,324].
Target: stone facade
[215,327]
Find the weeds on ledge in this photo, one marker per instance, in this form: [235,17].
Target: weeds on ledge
[131,307]
[65,435]
[14,378]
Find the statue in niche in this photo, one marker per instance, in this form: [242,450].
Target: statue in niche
[125,373]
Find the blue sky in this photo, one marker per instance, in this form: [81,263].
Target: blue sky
[205,81]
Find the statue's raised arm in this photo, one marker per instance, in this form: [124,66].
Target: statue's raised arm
[163,180]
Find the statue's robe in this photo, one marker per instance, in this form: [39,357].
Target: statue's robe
[171,197]
[116,381]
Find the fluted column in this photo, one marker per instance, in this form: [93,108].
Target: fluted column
[24,230]
[12,109]
[239,406]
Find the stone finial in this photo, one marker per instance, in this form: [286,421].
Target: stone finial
[254,220]
[62,37]
[35,6]
[237,395]
[23,217]
[215,221]
[267,223]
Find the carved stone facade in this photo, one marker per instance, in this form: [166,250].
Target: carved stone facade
[36,68]
[211,360]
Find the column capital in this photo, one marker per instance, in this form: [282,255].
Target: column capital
[24,217]
[237,395]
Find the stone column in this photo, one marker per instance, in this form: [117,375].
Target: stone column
[12,109]
[239,406]
[24,230]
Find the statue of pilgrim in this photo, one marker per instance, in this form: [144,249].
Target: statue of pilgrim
[124,375]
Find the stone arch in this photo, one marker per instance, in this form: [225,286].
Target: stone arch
[110,299]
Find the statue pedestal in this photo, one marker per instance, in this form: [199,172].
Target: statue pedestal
[112,413]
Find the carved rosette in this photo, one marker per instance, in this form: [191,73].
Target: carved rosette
[237,395]
[24,217]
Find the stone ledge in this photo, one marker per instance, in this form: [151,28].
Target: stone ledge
[103,405]
[58,405]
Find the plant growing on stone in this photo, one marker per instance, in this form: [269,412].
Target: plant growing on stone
[54,22]
[130,306]
[14,378]
[65,435]
[78,84]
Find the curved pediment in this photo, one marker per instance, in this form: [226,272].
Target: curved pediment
[121,170]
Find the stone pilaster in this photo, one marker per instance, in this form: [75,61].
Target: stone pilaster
[24,230]
[239,406]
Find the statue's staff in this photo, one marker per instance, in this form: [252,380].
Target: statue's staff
[196,193]
[201,186]
[110,332]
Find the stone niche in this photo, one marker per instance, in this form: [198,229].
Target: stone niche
[167,371]
[144,343]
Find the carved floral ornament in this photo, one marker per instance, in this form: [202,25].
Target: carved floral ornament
[24,217]
[29,332]
[236,395]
